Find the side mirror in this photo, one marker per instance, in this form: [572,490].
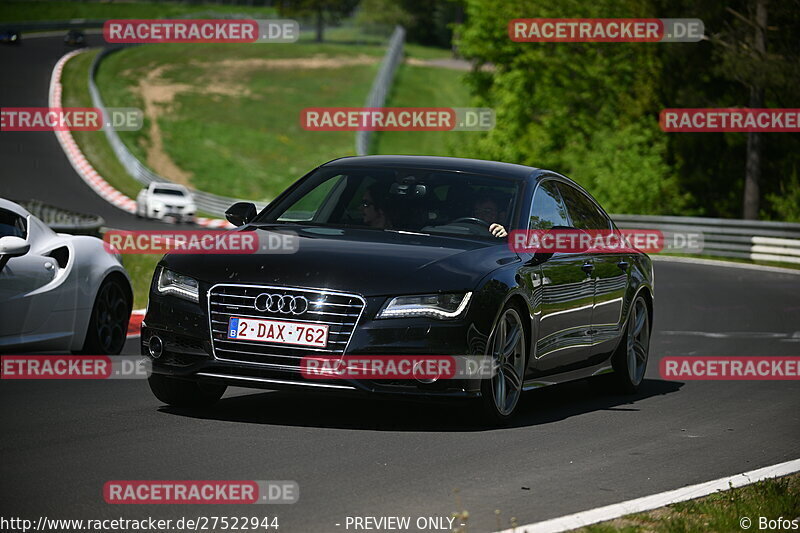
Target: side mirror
[13,246]
[241,213]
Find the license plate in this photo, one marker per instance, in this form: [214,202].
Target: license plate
[278,331]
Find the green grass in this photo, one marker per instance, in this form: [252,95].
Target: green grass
[419,86]
[250,144]
[28,11]
[140,268]
[720,512]
[93,144]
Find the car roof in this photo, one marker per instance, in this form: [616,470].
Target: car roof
[456,164]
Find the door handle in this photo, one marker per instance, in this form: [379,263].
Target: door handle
[587,267]
[623,265]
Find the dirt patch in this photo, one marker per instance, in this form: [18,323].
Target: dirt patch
[448,63]
[158,96]
[237,66]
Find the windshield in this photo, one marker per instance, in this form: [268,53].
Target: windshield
[422,201]
[168,192]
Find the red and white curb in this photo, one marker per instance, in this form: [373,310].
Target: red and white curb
[135,323]
[85,169]
[648,503]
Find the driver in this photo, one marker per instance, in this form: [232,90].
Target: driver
[486,210]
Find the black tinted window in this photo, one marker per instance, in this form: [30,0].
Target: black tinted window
[12,225]
[168,192]
[582,211]
[419,200]
[548,208]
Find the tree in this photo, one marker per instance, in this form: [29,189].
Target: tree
[322,11]
[588,110]
[764,60]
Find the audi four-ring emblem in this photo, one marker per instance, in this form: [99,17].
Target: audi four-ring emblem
[281,303]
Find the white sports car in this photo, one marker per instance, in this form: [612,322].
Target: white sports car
[161,200]
[58,292]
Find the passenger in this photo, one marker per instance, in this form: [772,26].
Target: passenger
[374,209]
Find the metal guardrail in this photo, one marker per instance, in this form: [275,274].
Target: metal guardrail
[208,202]
[64,220]
[80,23]
[382,83]
[746,239]
[43,25]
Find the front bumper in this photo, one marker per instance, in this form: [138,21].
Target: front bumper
[188,353]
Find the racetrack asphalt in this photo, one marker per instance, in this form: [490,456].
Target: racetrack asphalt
[33,165]
[570,448]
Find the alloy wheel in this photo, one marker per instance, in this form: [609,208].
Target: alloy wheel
[508,354]
[638,341]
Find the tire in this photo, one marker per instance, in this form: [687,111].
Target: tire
[630,358]
[500,394]
[108,325]
[184,393]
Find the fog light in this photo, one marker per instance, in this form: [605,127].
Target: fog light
[417,373]
[155,347]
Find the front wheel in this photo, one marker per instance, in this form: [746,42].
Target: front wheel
[108,325]
[630,359]
[501,393]
[184,393]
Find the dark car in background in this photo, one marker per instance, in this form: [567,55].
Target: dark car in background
[395,256]
[75,38]
[10,37]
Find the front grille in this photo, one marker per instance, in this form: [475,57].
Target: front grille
[339,311]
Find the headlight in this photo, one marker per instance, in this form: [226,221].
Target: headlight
[441,306]
[157,204]
[170,282]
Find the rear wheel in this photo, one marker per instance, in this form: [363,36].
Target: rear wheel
[501,393]
[108,325]
[184,393]
[630,359]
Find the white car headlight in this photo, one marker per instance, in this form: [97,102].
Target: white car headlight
[170,282]
[442,306]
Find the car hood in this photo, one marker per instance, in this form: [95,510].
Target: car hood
[367,262]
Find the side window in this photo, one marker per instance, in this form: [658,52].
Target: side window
[548,208]
[582,211]
[12,225]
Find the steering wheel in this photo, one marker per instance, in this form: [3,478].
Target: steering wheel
[473,220]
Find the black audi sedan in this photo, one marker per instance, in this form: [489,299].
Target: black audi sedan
[405,255]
